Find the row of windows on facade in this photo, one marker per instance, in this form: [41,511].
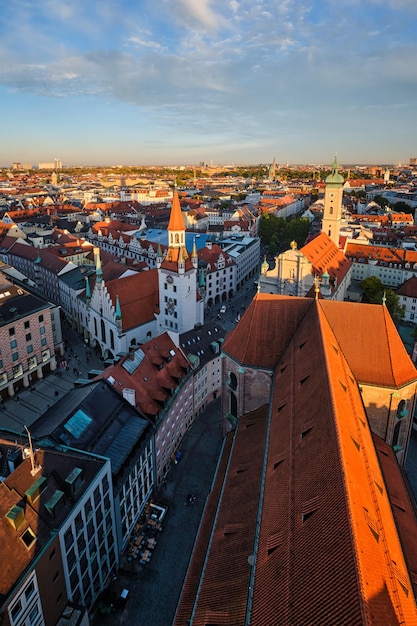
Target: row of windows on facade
[12,330]
[17,370]
[29,350]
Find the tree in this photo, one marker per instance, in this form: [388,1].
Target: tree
[374,292]
[277,233]
[402,207]
[382,201]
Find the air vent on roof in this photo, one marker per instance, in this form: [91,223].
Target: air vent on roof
[303,380]
[16,516]
[231,529]
[357,444]
[273,542]
[55,503]
[36,489]
[74,479]
[305,432]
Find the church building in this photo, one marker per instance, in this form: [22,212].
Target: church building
[320,261]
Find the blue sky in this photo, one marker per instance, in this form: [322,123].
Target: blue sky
[228,81]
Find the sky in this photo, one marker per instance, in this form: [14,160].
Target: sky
[179,82]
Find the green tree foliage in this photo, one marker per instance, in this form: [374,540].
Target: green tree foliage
[382,201]
[277,233]
[402,207]
[374,292]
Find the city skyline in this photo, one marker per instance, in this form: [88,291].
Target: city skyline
[179,82]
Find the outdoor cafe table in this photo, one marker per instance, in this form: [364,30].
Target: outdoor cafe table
[146,555]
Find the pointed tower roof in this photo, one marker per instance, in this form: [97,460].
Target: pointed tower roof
[335,177]
[118,309]
[176,221]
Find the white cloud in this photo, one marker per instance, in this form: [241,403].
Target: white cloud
[146,44]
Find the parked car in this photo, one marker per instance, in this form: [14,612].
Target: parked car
[223,309]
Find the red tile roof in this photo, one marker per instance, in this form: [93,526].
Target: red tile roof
[138,297]
[321,547]
[370,342]
[269,323]
[324,256]
[157,374]
[409,288]
[262,334]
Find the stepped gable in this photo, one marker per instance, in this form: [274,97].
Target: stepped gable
[138,297]
[383,362]
[265,329]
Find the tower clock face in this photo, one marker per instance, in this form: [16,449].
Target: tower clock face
[169,279]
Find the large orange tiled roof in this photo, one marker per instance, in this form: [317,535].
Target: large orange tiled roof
[324,256]
[322,545]
[265,329]
[365,332]
[370,342]
[138,297]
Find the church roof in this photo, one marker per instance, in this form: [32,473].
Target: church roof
[138,297]
[335,177]
[270,322]
[265,329]
[370,342]
[176,221]
[324,255]
[314,539]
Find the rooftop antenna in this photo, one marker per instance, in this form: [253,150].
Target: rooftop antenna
[35,468]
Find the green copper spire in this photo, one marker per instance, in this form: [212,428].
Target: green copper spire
[118,309]
[335,177]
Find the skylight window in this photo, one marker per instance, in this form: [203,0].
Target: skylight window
[28,537]
[78,424]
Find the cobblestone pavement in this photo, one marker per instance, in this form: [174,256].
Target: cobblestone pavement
[154,591]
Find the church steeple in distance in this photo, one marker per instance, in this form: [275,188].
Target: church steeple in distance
[176,227]
[333,196]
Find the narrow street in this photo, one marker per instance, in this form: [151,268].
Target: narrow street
[154,592]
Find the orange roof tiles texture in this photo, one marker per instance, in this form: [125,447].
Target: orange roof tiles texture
[328,550]
[176,221]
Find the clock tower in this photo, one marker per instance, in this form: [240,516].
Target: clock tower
[333,195]
[180,306]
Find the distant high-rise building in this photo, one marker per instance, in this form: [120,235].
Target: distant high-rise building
[54,165]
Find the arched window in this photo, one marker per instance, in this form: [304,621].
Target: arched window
[396,434]
[111,339]
[232,381]
[402,409]
[103,331]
